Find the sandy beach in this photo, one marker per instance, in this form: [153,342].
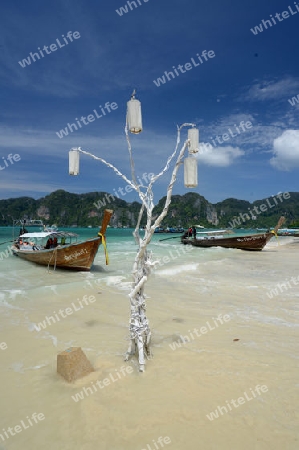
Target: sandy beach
[244,367]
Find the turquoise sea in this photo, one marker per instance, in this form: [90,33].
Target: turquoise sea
[173,257]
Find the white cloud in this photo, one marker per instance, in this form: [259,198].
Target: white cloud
[272,89]
[286,150]
[218,156]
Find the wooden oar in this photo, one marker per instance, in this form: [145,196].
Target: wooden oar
[173,237]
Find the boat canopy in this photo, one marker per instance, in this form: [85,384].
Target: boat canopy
[43,234]
[213,232]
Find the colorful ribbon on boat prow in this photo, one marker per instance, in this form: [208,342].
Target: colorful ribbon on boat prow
[276,235]
[105,247]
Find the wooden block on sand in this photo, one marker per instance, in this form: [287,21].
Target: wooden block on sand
[73,364]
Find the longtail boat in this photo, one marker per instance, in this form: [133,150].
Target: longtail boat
[252,242]
[292,232]
[72,255]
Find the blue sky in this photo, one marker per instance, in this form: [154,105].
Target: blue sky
[251,78]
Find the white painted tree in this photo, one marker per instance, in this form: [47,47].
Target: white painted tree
[140,333]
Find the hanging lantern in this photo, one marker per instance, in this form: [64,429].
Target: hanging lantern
[190,172]
[134,117]
[74,156]
[193,136]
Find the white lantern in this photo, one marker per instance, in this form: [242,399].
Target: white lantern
[190,172]
[134,118]
[193,136]
[74,156]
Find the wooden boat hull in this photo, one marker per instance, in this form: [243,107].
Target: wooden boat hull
[77,256]
[254,242]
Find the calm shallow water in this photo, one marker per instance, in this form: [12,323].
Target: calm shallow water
[180,387]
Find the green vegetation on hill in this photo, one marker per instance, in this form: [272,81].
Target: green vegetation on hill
[67,209]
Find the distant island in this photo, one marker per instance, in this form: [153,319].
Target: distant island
[70,210]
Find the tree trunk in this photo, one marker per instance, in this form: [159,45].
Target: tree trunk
[140,333]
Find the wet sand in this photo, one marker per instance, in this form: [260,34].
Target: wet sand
[180,387]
